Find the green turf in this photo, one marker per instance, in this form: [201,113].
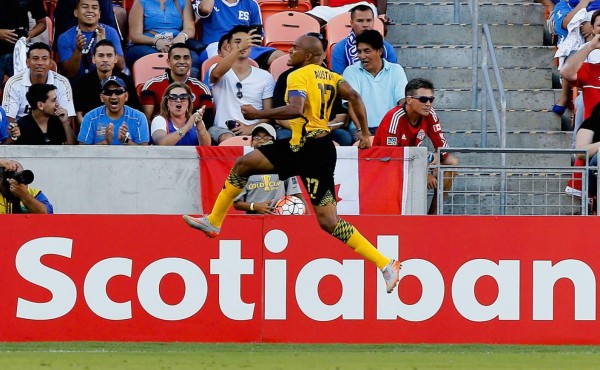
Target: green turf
[117,356]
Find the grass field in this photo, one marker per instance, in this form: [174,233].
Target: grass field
[117,356]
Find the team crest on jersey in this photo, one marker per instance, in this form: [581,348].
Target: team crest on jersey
[421,135]
[392,141]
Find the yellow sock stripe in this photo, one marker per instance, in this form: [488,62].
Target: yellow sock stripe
[343,231]
[237,180]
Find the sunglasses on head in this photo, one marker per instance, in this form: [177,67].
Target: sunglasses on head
[239,93]
[423,99]
[110,92]
[175,97]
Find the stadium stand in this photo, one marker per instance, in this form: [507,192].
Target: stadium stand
[149,66]
[282,29]
[270,7]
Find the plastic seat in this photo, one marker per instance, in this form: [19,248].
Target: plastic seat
[237,141]
[282,29]
[279,65]
[270,7]
[213,60]
[149,66]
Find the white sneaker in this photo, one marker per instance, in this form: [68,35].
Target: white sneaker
[203,224]
[391,274]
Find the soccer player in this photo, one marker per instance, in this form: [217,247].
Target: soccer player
[310,152]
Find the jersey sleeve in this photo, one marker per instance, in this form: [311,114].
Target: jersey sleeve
[297,85]
[382,129]
[435,133]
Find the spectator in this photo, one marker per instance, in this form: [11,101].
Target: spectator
[228,14]
[64,19]
[47,123]
[4,123]
[323,14]
[179,60]
[344,52]
[262,191]
[584,74]
[408,125]
[588,137]
[380,83]
[88,87]
[100,124]
[76,45]
[235,82]
[176,125]
[14,23]
[19,198]
[155,26]
[563,13]
[14,100]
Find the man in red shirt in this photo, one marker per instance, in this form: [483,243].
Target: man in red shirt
[408,125]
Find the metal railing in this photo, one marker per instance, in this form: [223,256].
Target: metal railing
[526,186]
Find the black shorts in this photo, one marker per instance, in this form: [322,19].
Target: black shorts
[314,163]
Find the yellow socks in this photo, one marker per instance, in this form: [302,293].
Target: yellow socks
[232,188]
[347,233]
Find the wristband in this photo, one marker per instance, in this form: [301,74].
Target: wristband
[252,206]
[185,35]
[156,42]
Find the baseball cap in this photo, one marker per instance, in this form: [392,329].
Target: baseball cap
[268,128]
[115,80]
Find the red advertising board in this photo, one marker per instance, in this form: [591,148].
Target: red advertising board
[529,280]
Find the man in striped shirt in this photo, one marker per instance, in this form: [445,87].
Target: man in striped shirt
[411,123]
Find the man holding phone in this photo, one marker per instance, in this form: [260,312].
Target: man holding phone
[47,123]
[235,82]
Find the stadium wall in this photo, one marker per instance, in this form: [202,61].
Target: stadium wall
[522,280]
[166,180]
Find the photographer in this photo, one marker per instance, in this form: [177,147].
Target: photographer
[15,195]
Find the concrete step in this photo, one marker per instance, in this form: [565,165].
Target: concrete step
[462,55]
[517,139]
[460,34]
[469,119]
[532,99]
[443,12]
[460,78]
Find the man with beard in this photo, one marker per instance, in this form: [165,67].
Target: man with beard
[179,60]
[114,123]
[89,86]
[38,71]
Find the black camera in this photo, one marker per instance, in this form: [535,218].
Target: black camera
[22,177]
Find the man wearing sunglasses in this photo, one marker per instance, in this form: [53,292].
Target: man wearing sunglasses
[114,123]
[410,123]
[310,153]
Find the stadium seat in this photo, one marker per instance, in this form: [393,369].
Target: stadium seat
[338,28]
[278,66]
[270,7]
[237,141]
[215,59]
[282,29]
[149,66]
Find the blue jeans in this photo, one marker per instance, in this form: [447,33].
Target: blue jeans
[135,52]
[6,66]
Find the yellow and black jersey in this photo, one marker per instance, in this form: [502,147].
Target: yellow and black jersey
[318,86]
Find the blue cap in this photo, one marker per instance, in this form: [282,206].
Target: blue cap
[114,79]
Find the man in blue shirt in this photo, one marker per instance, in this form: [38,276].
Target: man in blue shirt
[344,52]
[220,16]
[114,123]
[76,45]
[380,83]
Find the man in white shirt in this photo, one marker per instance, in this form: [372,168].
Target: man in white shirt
[38,71]
[235,83]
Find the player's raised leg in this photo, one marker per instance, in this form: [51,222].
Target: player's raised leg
[329,221]
[250,164]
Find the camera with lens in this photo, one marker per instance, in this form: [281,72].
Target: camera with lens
[22,177]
